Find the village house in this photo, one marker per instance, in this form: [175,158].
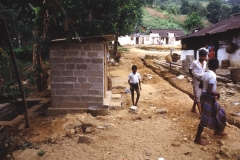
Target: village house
[155,37]
[79,76]
[166,36]
[224,37]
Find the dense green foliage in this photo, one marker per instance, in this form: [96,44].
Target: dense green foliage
[186,7]
[99,17]
[235,9]
[193,21]
[213,9]
[225,10]
[198,8]
[89,18]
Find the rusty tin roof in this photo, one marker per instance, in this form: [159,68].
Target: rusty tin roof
[222,26]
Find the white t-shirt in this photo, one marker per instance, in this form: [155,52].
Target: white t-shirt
[209,77]
[197,68]
[134,78]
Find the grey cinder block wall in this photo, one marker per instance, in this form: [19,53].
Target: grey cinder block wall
[77,74]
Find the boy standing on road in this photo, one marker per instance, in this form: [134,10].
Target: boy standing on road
[213,115]
[196,71]
[134,82]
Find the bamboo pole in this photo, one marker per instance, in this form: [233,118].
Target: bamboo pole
[13,57]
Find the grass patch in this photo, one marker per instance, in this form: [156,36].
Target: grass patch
[122,49]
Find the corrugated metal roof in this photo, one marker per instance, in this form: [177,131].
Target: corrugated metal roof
[164,32]
[222,26]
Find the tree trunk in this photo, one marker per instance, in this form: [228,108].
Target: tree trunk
[34,60]
[37,56]
[27,125]
[37,61]
[115,44]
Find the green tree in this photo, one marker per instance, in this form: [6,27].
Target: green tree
[172,10]
[213,9]
[192,22]
[98,17]
[184,7]
[35,14]
[198,8]
[149,2]
[235,9]
[224,12]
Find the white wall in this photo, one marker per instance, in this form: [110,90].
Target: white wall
[234,57]
[147,39]
[126,40]
[171,35]
[222,55]
[186,52]
[177,42]
[154,38]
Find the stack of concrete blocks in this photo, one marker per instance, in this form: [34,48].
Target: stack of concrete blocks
[107,99]
[77,75]
[116,101]
[113,100]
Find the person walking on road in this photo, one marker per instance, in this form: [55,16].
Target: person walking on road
[134,80]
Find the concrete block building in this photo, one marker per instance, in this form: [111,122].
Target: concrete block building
[78,73]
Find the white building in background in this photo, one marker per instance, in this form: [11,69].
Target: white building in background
[134,40]
[168,36]
[156,36]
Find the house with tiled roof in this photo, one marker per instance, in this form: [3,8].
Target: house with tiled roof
[167,36]
[223,35]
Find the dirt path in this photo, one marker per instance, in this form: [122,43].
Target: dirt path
[125,136]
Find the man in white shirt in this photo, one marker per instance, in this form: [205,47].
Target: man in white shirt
[134,80]
[196,71]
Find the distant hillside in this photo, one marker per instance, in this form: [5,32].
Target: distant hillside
[157,19]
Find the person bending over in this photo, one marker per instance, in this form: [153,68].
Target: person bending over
[213,115]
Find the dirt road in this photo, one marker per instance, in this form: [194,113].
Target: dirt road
[121,135]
